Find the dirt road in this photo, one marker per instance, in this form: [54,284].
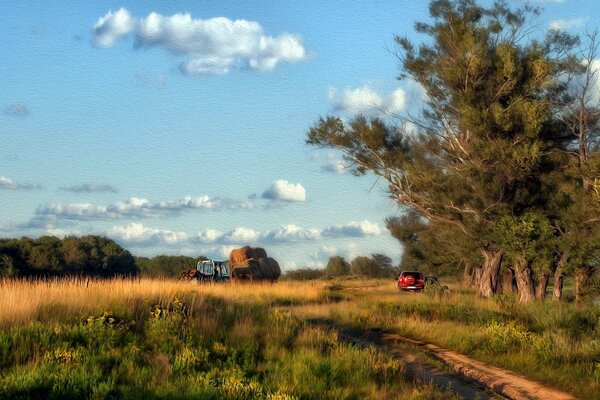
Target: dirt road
[473,379]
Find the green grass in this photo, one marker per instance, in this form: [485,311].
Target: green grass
[555,343]
[208,343]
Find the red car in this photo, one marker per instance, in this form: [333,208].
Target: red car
[411,280]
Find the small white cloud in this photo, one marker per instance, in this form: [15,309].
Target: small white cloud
[209,46]
[353,229]
[88,188]
[10,184]
[16,110]
[566,24]
[282,190]
[366,100]
[110,28]
[335,166]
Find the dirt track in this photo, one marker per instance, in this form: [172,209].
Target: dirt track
[486,378]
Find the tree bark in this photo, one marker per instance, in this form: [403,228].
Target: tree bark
[490,271]
[509,284]
[469,276]
[542,285]
[582,275]
[558,278]
[524,276]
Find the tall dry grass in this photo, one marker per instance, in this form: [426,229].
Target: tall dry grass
[25,301]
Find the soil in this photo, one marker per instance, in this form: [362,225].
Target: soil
[468,378]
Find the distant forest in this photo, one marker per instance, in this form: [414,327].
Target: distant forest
[97,256]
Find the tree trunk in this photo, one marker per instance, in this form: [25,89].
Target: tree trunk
[509,284]
[524,276]
[558,277]
[469,276]
[488,281]
[582,275]
[540,292]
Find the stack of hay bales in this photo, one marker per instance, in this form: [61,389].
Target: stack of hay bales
[252,263]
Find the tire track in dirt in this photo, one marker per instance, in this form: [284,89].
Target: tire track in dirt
[505,383]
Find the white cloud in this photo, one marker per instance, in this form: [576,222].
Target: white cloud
[353,229]
[576,84]
[282,190]
[336,166]
[140,235]
[110,28]
[137,207]
[566,24]
[240,235]
[208,46]
[10,184]
[366,100]
[17,110]
[290,233]
[88,188]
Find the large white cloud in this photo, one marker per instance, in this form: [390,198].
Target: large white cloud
[208,46]
[367,100]
[136,207]
[283,190]
[136,234]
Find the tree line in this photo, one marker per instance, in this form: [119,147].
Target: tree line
[498,172]
[49,256]
[91,255]
[376,266]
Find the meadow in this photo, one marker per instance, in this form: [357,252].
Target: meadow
[149,338]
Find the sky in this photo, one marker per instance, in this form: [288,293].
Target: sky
[179,127]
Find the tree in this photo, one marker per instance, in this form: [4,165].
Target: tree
[337,266]
[481,149]
[578,204]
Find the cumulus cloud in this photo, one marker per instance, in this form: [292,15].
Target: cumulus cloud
[290,233]
[10,184]
[88,188]
[16,110]
[208,46]
[110,28]
[353,229]
[367,100]
[577,83]
[140,235]
[137,207]
[566,24]
[282,190]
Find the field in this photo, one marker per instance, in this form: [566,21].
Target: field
[164,339]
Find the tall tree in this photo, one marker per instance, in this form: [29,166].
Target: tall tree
[481,146]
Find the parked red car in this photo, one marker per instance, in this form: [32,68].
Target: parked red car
[411,280]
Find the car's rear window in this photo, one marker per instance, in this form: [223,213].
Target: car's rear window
[416,275]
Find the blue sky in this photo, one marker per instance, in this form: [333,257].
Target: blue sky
[179,127]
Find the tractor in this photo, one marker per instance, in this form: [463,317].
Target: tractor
[208,271]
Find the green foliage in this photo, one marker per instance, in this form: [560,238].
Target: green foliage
[304,274]
[337,266]
[163,266]
[50,256]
